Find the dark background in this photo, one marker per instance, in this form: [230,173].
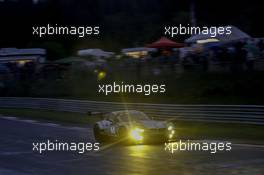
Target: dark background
[127,23]
[124,23]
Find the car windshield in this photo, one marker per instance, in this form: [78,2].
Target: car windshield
[133,116]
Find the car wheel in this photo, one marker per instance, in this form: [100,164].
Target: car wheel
[99,137]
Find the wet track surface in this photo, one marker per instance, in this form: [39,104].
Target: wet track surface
[17,157]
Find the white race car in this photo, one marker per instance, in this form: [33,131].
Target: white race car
[133,126]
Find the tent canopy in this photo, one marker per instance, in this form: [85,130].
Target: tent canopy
[95,53]
[164,42]
[137,49]
[236,34]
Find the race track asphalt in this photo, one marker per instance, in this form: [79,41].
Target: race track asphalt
[18,158]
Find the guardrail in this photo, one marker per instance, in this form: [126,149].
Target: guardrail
[253,114]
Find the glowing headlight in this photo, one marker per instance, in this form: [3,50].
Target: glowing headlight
[171,132]
[170,128]
[136,134]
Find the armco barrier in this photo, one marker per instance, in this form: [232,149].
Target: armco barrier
[253,114]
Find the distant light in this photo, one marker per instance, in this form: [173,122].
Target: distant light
[101,75]
[136,54]
[209,40]
[35,1]
[21,63]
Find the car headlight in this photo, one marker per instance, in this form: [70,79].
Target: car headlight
[171,131]
[136,134]
[170,128]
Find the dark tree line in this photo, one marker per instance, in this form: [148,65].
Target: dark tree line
[125,23]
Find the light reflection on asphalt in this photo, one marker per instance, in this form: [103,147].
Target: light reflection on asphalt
[138,150]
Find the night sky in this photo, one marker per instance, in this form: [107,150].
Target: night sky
[126,23]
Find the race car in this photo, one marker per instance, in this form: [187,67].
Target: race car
[133,126]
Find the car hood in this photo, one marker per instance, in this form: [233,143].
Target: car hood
[152,124]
